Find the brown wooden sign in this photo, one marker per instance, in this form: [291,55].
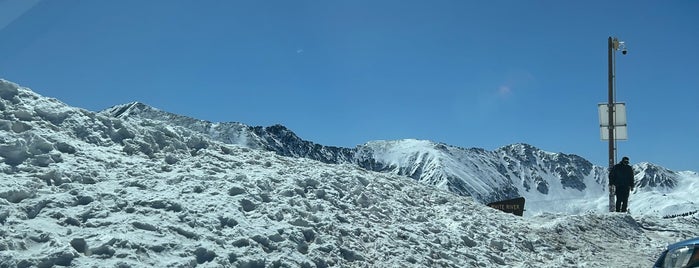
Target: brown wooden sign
[514,206]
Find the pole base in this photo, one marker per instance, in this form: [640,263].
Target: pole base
[612,199]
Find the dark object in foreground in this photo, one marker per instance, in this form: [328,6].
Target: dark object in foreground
[681,254]
[514,206]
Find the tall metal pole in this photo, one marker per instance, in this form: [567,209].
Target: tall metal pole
[610,109]
[610,104]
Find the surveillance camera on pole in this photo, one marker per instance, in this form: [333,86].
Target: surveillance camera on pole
[619,45]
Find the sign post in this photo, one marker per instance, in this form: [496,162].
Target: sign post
[514,206]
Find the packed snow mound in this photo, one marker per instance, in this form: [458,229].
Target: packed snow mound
[82,189]
[248,208]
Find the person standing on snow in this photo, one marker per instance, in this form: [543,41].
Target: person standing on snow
[621,176]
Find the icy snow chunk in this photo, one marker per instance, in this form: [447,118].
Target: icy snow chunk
[266,244]
[265,197]
[5,125]
[320,263]
[227,150]
[197,143]
[185,233]
[79,244]
[3,216]
[161,204]
[43,160]
[243,242]
[16,196]
[309,235]
[276,238]
[235,190]
[60,259]
[247,205]
[122,134]
[52,177]
[320,194]
[363,181]
[171,159]
[19,127]
[72,221]
[8,90]
[497,260]
[252,264]
[497,244]
[287,193]
[55,118]
[64,148]
[302,247]
[84,200]
[144,226]
[300,222]
[38,145]
[104,250]
[204,255]
[227,222]
[350,255]
[468,241]
[24,115]
[308,183]
[33,211]
[364,201]
[14,152]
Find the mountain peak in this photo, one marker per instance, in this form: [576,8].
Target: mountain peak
[519,147]
[128,109]
[653,176]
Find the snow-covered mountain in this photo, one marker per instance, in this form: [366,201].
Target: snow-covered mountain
[553,182]
[275,138]
[85,189]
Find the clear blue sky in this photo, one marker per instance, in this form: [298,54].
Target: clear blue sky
[467,73]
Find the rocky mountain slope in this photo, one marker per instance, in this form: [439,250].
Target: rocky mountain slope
[549,181]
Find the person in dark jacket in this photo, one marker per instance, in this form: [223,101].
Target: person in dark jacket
[621,176]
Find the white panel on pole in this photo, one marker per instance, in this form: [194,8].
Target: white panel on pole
[620,126]
[620,133]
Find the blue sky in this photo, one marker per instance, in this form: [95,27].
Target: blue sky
[467,73]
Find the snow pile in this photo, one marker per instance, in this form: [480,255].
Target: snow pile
[85,190]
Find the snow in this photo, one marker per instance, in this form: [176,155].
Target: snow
[80,189]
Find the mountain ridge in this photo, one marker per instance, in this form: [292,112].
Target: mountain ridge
[510,171]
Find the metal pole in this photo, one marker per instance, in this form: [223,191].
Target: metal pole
[610,104]
[610,109]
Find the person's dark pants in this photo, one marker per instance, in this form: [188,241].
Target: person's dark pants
[622,198]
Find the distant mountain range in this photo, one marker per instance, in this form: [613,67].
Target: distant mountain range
[547,180]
